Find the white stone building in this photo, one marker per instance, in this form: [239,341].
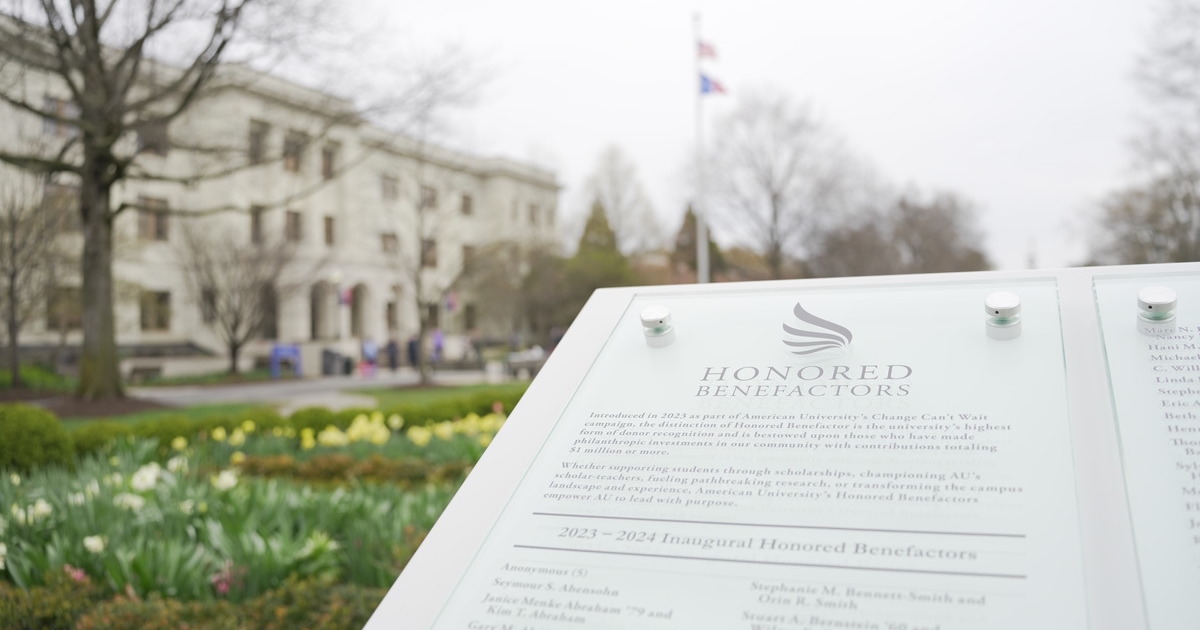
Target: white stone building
[371,215]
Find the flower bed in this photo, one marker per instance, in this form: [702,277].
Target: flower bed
[228,516]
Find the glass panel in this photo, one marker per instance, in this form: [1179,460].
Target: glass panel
[910,470]
[1154,374]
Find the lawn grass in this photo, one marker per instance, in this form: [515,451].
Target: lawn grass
[411,396]
[196,413]
[215,378]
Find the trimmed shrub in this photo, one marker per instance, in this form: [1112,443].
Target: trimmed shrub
[93,437]
[166,429]
[264,418]
[156,613]
[315,418]
[32,437]
[313,604]
[51,607]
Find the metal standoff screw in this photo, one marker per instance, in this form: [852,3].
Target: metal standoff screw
[1003,309]
[1157,304]
[657,326]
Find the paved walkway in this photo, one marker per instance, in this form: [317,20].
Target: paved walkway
[334,392]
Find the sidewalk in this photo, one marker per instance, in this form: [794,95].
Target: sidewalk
[290,395]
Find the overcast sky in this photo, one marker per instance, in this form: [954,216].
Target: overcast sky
[1023,107]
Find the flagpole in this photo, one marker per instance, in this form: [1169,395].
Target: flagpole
[702,275]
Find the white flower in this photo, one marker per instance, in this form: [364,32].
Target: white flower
[131,502]
[76,498]
[92,489]
[187,506]
[318,542]
[3,555]
[19,515]
[146,477]
[40,510]
[15,479]
[114,479]
[94,544]
[177,464]
[225,480]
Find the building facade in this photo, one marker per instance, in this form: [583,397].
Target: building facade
[377,229]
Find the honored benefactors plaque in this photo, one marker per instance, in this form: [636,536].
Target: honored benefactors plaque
[896,454]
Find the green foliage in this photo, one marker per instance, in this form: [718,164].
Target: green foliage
[157,613]
[313,604]
[166,429]
[31,437]
[39,379]
[424,407]
[315,418]
[92,437]
[598,235]
[54,606]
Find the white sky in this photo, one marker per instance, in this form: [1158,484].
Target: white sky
[1023,107]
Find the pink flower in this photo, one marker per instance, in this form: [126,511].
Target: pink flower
[75,573]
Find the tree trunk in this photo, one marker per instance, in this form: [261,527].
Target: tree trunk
[424,360]
[99,365]
[14,354]
[235,350]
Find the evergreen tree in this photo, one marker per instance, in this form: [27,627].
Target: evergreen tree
[685,247]
[597,262]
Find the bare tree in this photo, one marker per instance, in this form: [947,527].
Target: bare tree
[34,213]
[1156,216]
[1154,222]
[615,185]
[238,283]
[775,174]
[914,234]
[86,69]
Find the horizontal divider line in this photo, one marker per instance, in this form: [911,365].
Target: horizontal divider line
[1011,576]
[841,529]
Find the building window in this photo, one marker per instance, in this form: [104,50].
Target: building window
[208,305]
[469,316]
[329,155]
[467,209]
[329,231]
[256,224]
[64,309]
[389,315]
[293,227]
[152,219]
[389,242]
[428,253]
[156,310]
[269,325]
[256,150]
[533,214]
[428,197]
[389,187]
[152,138]
[294,144]
[432,315]
[468,256]
[58,111]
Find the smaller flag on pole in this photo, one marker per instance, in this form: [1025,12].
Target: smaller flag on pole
[710,86]
[705,49]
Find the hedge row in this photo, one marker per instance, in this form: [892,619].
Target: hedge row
[73,603]
[32,437]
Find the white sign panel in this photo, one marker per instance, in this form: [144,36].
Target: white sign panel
[875,453]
